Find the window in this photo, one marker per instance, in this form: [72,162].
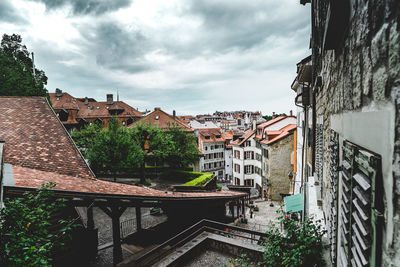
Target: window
[207,137]
[249,182]
[248,169]
[249,155]
[247,143]
[236,154]
[237,181]
[212,147]
[265,152]
[205,148]
[236,168]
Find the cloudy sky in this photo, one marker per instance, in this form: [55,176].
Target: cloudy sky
[194,56]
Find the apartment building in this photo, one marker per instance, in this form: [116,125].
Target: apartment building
[247,159]
[212,146]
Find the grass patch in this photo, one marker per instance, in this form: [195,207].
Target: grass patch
[146,183]
[201,178]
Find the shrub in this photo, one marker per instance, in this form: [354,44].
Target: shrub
[201,179]
[300,244]
[24,229]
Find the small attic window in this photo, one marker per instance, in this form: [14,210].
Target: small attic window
[107,107]
[157,117]
[58,99]
[218,136]
[207,137]
[97,107]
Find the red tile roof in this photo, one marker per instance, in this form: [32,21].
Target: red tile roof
[247,134]
[66,101]
[93,109]
[40,150]
[31,178]
[34,138]
[274,136]
[161,119]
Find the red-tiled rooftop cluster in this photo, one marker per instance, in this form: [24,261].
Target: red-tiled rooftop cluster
[40,150]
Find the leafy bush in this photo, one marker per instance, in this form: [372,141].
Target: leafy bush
[24,229]
[201,179]
[299,244]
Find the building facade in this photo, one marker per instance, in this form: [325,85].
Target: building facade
[351,109]
[212,147]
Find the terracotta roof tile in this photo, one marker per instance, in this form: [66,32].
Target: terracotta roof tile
[243,138]
[31,178]
[161,119]
[35,138]
[66,101]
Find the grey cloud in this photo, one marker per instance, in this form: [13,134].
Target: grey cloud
[229,25]
[9,13]
[116,47]
[82,7]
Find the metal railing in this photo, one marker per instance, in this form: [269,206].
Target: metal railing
[162,250]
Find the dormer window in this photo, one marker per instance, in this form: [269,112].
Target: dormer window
[207,137]
[218,136]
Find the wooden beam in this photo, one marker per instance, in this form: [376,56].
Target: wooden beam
[90,221]
[138,219]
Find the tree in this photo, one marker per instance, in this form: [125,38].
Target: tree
[112,150]
[153,142]
[16,70]
[183,149]
[270,117]
[25,238]
[85,136]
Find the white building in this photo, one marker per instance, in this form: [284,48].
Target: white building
[247,160]
[194,124]
[212,146]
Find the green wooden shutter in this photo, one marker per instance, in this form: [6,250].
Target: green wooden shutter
[362,206]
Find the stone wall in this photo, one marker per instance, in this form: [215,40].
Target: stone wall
[364,76]
[280,166]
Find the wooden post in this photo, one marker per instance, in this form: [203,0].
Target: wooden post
[237,208]
[138,219]
[117,249]
[243,208]
[115,213]
[90,221]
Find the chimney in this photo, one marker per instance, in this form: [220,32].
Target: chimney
[86,100]
[291,112]
[110,100]
[156,108]
[58,92]
[174,114]
[273,114]
[254,125]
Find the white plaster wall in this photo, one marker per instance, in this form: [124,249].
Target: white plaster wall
[373,129]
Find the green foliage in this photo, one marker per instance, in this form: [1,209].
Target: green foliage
[112,149]
[201,179]
[16,70]
[85,136]
[270,117]
[183,149]
[298,244]
[25,239]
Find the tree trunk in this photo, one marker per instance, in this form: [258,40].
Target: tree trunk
[142,173]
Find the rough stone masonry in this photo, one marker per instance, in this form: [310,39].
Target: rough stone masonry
[363,75]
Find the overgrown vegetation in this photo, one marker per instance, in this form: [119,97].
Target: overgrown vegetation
[119,149]
[25,236]
[200,180]
[18,76]
[297,244]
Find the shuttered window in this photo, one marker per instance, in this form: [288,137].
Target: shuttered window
[361,206]
[332,222]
